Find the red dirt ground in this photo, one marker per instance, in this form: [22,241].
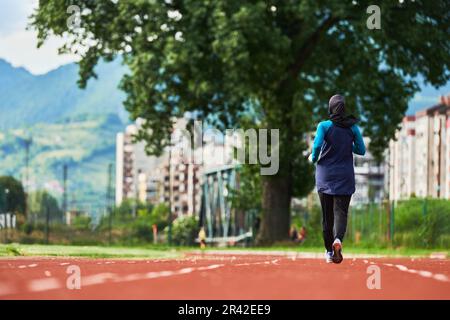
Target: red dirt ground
[224,277]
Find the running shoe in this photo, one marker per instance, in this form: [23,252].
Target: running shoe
[337,251]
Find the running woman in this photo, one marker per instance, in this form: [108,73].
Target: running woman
[335,142]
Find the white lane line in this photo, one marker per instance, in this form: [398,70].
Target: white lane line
[426,274]
[64,263]
[401,267]
[213,266]
[32,265]
[441,277]
[112,277]
[422,273]
[97,279]
[22,267]
[40,285]
[45,284]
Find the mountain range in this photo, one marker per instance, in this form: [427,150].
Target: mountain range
[28,99]
[67,125]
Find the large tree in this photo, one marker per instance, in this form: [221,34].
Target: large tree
[283,57]
[12,195]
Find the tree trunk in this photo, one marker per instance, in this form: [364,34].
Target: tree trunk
[276,201]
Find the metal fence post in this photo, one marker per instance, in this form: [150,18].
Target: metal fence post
[392,218]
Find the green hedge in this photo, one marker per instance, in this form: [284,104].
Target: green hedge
[418,223]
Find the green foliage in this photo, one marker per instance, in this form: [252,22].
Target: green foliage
[217,55]
[368,225]
[135,230]
[27,228]
[140,229]
[423,222]
[12,195]
[248,196]
[160,215]
[82,222]
[419,223]
[312,221]
[41,202]
[184,230]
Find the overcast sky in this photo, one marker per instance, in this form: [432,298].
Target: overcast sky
[18,45]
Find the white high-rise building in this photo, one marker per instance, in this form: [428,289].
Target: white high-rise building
[419,157]
[402,157]
[134,167]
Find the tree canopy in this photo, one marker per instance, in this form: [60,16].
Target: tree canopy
[12,195]
[284,58]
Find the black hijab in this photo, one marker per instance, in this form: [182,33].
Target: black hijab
[336,111]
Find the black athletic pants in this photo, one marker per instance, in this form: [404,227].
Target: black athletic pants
[334,217]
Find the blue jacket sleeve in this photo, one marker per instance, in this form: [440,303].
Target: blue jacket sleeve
[318,141]
[358,142]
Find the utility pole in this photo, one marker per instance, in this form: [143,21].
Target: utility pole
[28,143]
[47,223]
[170,195]
[108,200]
[64,199]
[136,192]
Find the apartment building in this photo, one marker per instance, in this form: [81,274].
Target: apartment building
[151,179]
[419,156]
[369,178]
[401,156]
[180,183]
[133,166]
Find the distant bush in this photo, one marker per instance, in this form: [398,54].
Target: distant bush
[184,230]
[312,221]
[419,223]
[422,222]
[27,228]
[82,223]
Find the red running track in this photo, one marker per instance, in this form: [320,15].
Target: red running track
[224,277]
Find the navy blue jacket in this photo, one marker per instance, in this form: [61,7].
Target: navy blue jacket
[333,152]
